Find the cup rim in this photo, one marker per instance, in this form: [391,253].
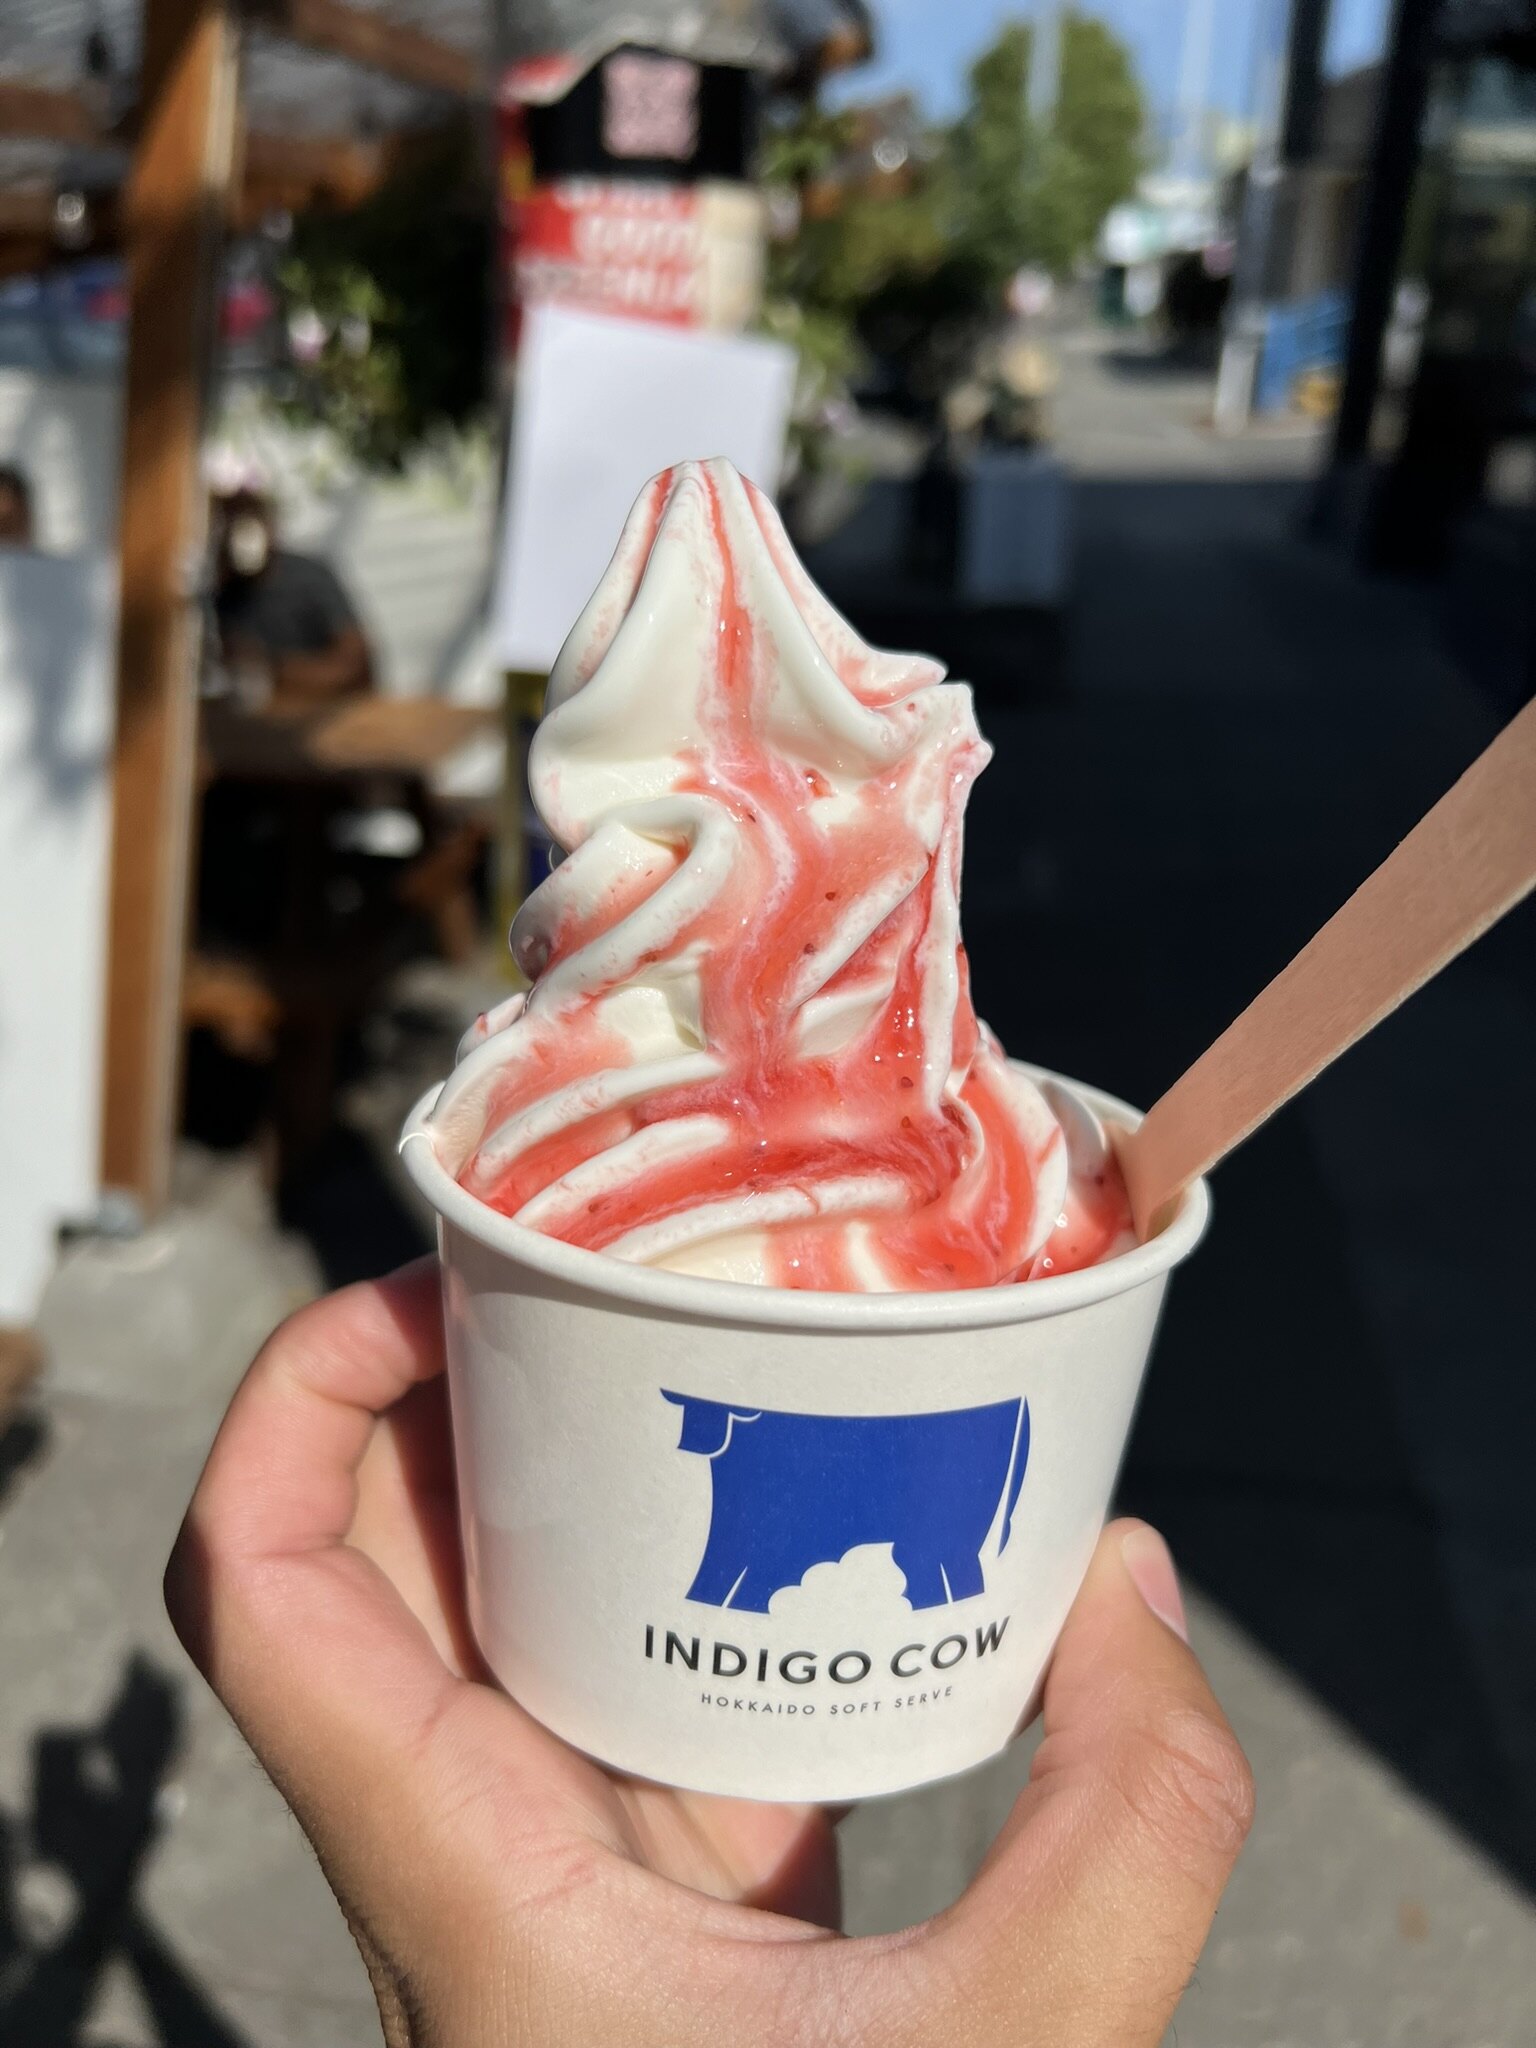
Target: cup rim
[617,1282]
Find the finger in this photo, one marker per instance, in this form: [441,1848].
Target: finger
[333,1680]
[267,1599]
[281,1479]
[1090,1913]
[781,1859]
[407,1520]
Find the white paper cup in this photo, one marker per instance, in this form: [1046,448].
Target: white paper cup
[774,1544]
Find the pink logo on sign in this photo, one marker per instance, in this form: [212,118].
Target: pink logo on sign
[650,106]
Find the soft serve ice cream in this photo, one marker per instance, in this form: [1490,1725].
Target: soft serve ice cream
[748,1050]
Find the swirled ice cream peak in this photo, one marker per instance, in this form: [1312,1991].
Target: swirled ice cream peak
[748,1048]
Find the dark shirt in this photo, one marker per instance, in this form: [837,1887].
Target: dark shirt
[295,606]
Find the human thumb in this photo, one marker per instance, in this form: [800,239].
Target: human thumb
[1085,1923]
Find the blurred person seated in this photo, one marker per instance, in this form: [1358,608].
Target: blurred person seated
[15,508]
[313,879]
[288,632]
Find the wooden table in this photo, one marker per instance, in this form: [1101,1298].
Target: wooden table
[293,1002]
[319,757]
[405,736]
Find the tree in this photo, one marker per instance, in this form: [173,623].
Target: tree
[991,168]
[1100,119]
[854,249]
[851,239]
[1022,194]
[913,271]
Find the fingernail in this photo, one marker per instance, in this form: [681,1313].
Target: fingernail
[1150,1564]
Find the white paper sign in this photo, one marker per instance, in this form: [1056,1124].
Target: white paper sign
[56,628]
[602,405]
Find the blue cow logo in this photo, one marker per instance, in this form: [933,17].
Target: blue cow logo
[791,1491]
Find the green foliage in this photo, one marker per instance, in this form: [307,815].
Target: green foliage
[914,274]
[836,260]
[1017,194]
[1100,120]
[804,147]
[401,286]
[833,275]
[990,170]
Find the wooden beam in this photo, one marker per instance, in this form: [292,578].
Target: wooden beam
[373,40]
[322,161]
[279,172]
[44,115]
[294,173]
[27,210]
[176,203]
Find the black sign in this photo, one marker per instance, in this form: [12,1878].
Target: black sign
[645,114]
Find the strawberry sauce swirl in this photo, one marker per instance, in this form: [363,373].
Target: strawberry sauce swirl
[748,1049]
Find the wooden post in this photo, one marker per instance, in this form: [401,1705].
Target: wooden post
[521,862]
[176,202]
[1404,91]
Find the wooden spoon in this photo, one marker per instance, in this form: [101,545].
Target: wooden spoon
[1472,858]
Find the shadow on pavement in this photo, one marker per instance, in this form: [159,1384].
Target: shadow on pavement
[91,1827]
[1181,359]
[352,1212]
[23,1441]
[1337,1428]
[342,1196]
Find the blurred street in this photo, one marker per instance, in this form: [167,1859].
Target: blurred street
[1225,734]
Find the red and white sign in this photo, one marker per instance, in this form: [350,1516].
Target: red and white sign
[681,252]
[634,249]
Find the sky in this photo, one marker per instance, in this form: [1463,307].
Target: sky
[925,46]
